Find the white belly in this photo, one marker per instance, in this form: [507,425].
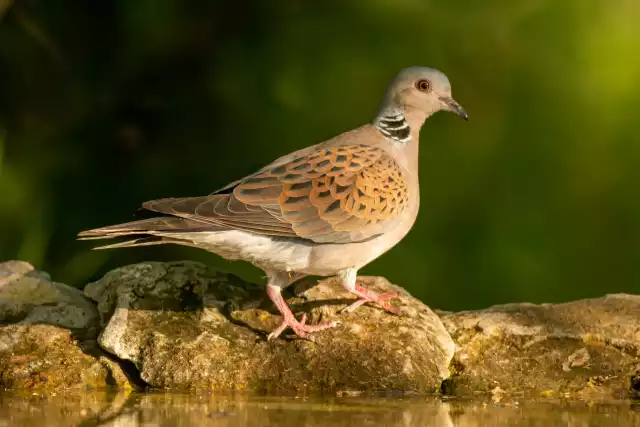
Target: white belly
[292,255]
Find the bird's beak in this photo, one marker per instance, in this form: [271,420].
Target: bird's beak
[454,107]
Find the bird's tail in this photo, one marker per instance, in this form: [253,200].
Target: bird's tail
[146,232]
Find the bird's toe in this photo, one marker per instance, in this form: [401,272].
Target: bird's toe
[301,328]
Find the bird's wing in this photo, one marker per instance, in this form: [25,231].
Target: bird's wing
[333,193]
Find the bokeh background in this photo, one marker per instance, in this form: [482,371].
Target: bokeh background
[104,105]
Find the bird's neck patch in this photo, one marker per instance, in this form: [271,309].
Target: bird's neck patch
[394,125]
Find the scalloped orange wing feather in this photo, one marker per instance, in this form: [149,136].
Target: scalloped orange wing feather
[332,194]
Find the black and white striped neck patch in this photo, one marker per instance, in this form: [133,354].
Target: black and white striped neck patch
[394,126]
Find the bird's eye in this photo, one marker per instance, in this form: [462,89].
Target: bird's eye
[423,85]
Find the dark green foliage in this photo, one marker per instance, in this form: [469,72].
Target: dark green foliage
[104,105]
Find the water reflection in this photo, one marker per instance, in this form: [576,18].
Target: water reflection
[148,410]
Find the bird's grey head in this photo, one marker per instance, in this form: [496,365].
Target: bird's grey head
[421,89]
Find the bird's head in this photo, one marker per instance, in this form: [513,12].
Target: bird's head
[422,89]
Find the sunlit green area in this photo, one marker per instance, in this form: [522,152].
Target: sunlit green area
[104,105]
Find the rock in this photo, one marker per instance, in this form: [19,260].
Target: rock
[47,335]
[185,325]
[46,357]
[28,296]
[585,349]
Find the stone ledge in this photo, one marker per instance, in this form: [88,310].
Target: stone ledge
[188,326]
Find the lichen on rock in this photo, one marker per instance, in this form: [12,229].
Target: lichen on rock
[37,357]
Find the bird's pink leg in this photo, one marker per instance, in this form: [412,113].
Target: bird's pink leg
[348,281]
[300,328]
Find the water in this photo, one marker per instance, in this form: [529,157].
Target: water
[162,409]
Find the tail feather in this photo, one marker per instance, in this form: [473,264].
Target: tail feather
[142,241]
[146,241]
[147,232]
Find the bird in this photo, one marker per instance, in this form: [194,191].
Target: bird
[325,210]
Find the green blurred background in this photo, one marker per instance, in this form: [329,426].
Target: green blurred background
[104,105]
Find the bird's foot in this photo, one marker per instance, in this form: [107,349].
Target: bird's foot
[365,295]
[301,329]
